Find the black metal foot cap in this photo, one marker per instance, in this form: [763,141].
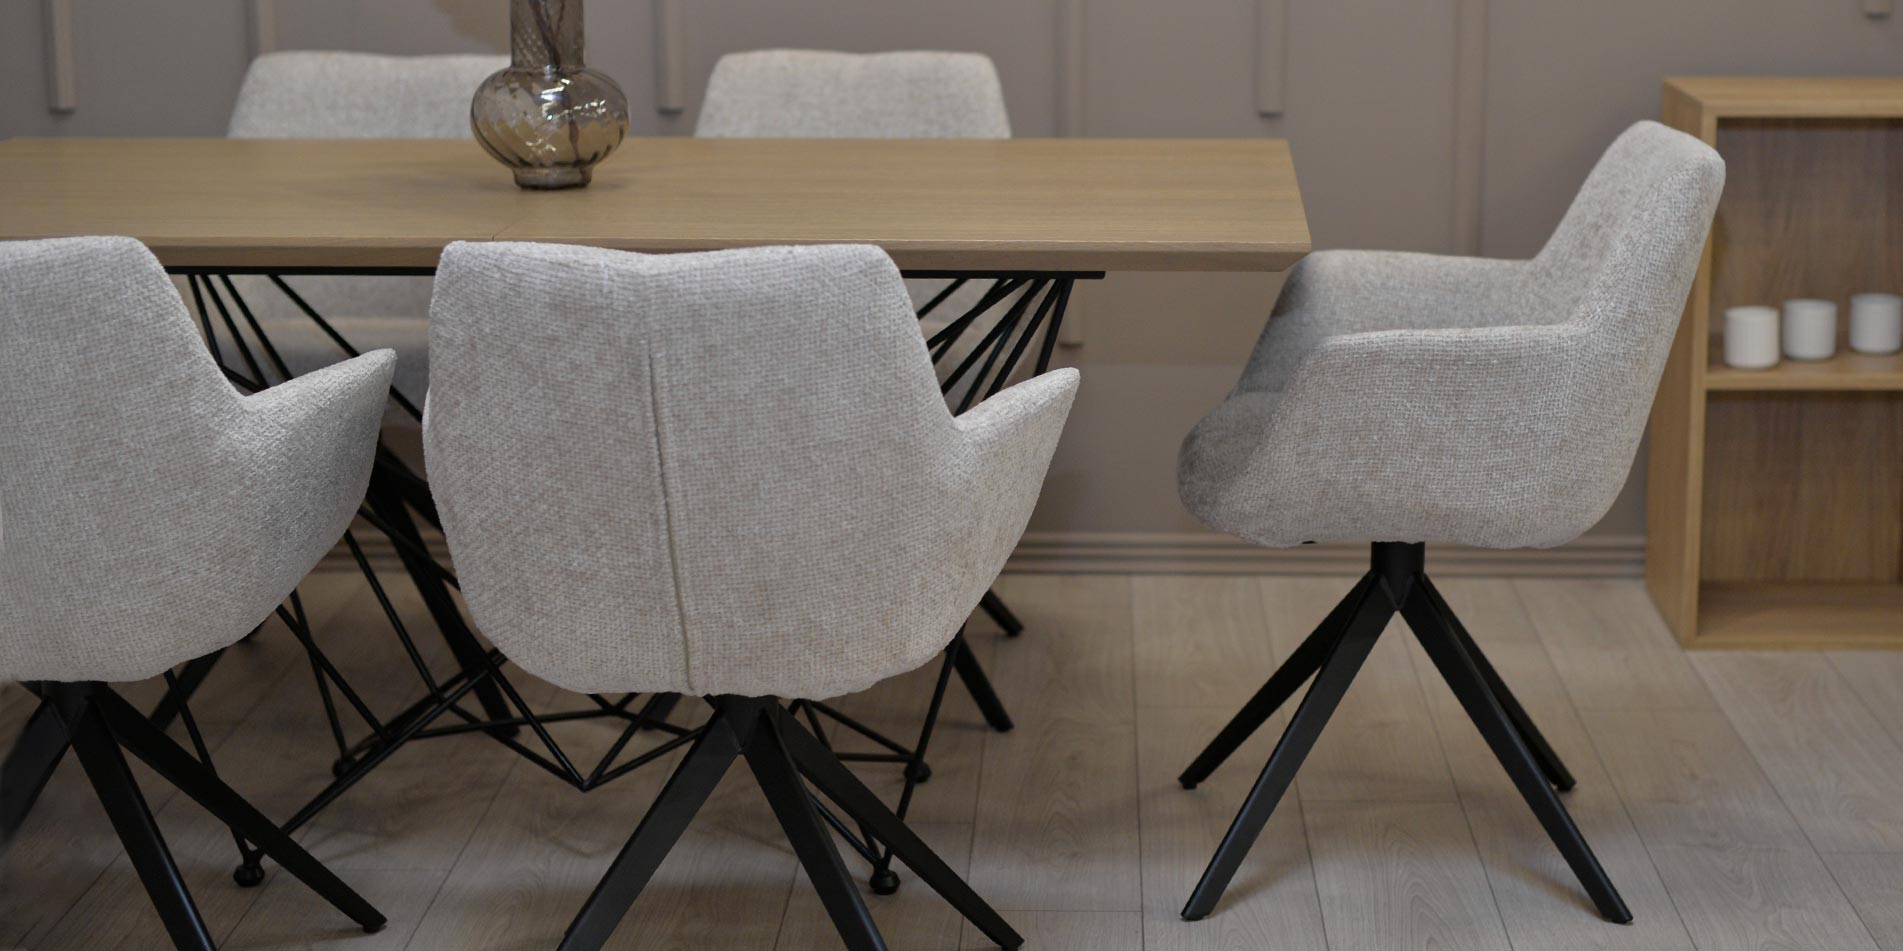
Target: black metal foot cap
[248,875]
[884,882]
[373,929]
[1186,784]
[918,772]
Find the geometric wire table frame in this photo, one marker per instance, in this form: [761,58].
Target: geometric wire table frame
[397,496]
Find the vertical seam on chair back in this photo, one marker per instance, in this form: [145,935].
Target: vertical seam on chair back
[667,517]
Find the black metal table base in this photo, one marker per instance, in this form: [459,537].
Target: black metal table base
[1396,582]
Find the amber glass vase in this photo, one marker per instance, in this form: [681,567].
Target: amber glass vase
[548,117]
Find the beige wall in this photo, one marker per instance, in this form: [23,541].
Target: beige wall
[1375,93]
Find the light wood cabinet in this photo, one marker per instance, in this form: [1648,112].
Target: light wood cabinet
[1775,497]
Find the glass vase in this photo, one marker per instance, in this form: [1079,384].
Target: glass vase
[548,117]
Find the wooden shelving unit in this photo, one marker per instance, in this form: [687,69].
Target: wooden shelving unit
[1775,497]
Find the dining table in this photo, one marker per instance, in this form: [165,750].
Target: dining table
[1022,219]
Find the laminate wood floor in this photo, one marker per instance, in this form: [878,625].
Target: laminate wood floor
[1739,800]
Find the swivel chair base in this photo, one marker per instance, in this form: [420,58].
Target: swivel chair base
[1396,582]
[100,726]
[779,751]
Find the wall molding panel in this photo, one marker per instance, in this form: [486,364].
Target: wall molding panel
[1470,124]
[62,70]
[670,78]
[262,18]
[1070,67]
[1271,57]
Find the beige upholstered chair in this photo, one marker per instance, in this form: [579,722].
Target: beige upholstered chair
[335,95]
[1401,399]
[647,487]
[152,515]
[820,94]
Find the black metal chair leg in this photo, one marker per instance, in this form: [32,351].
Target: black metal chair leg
[119,792]
[28,767]
[837,783]
[1331,682]
[189,680]
[1550,764]
[812,841]
[168,759]
[660,707]
[994,606]
[1295,671]
[1457,667]
[979,686]
[693,781]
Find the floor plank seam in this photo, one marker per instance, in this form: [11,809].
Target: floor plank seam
[1854,909]
[462,850]
[1136,774]
[1758,761]
[1460,799]
[1592,745]
[1831,660]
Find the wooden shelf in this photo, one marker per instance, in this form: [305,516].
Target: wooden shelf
[1847,371]
[1816,615]
[1774,501]
[1799,97]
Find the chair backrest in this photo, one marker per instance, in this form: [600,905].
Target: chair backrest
[1621,263]
[698,473]
[816,94]
[333,95]
[338,95]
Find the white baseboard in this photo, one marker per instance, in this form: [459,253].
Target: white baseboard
[1600,556]
[1593,556]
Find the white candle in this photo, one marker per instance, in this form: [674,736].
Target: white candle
[1810,329]
[1876,323]
[1751,337]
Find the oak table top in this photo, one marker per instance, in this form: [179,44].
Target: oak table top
[1013,204]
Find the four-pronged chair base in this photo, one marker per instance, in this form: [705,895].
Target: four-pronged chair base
[779,751]
[1395,583]
[100,727]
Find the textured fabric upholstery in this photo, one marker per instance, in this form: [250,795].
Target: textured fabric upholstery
[332,95]
[149,513]
[1411,397]
[813,94]
[329,95]
[702,472]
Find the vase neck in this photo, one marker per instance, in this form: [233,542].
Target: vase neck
[545,33]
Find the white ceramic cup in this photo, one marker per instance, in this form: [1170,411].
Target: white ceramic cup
[1751,341]
[1810,329]
[1876,323]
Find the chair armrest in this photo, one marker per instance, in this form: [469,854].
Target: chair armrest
[1330,293]
[1448,435]
[314,436]
[1010,438]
